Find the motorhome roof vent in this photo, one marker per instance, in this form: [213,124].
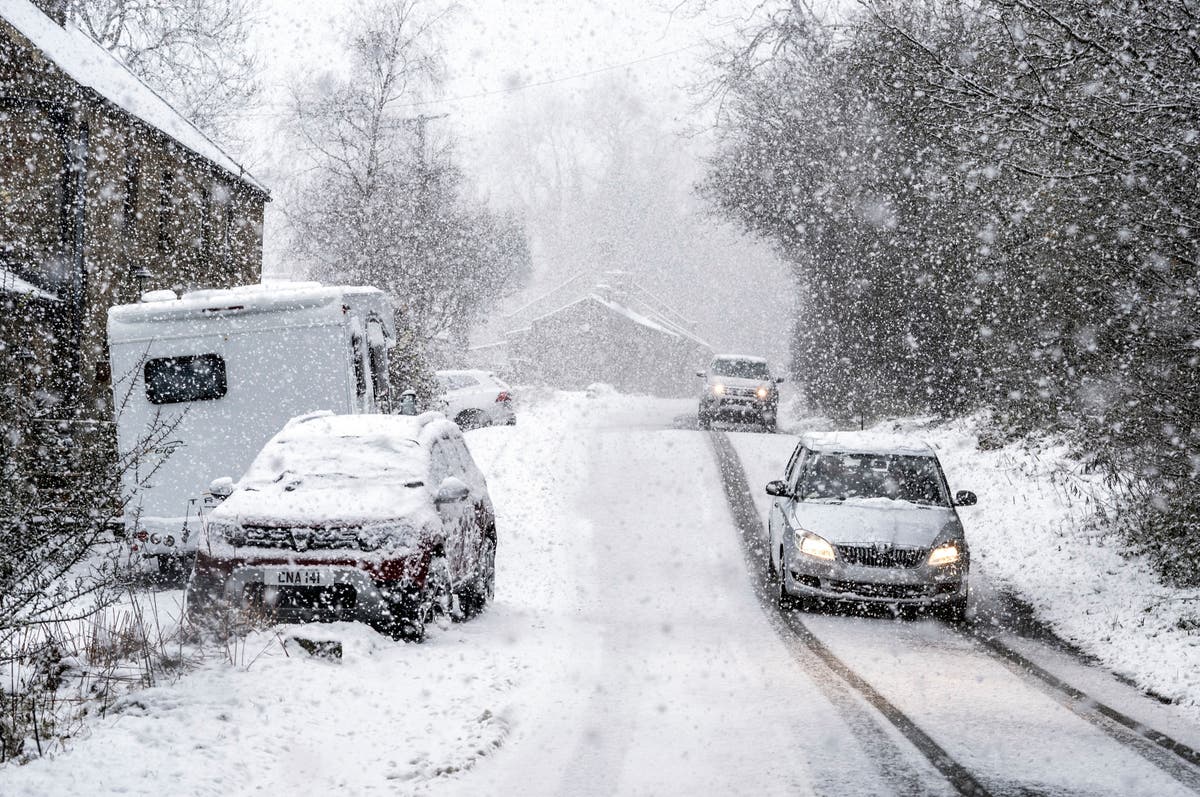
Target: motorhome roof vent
[159,296]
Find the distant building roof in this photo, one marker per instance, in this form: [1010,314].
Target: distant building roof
[12,284]
[92,66]
[630,300]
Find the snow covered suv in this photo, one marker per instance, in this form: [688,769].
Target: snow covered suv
[739,387]
[380,518]
[860,517]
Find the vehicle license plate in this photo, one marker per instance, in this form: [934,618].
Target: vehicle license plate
[297,577]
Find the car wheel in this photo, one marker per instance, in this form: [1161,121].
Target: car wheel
[787,601]
[954,613]
[471,419]
[438,603]
[478,594]
[401,621]
[201,598]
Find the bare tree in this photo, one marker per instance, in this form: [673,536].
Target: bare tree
[193,52]
[381,201]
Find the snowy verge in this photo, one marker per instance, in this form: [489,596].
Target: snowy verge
[257,713]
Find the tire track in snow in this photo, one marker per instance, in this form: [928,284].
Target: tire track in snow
[1173,757]
[840,683]
[1178,760]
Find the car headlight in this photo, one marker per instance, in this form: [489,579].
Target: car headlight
[946,554]
[763,392]
[816,547]
[385,535]
[718,389]
[231,533]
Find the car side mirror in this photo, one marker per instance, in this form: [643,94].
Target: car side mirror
[778,488]
[702,374]
[221,488]
[779,380]
[451,490]
[965,498]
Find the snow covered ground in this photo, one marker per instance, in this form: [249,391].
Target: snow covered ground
[620,656]
[626,653]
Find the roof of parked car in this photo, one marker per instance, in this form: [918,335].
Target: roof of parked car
[341,469]
[750,358]
[879,443]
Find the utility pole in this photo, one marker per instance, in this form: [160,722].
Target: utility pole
[421,121]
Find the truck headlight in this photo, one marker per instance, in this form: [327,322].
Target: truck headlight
[718,389]
[816,547]
[762,392]
[946,554]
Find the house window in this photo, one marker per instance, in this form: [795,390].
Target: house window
[198,377]
[167,221]
[33,211]
[133,176]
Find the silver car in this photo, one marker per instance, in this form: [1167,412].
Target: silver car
[739,387]
[860,518]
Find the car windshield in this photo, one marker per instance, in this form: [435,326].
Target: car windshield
[741,369]
[838,477]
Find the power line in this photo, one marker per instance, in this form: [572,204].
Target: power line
[552,81]
[539,84]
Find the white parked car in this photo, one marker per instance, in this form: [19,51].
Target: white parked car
[476,398]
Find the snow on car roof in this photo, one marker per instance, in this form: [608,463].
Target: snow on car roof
[865,443]
[750,358]
[92,66]
[326,469]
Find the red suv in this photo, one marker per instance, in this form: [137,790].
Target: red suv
[381,518]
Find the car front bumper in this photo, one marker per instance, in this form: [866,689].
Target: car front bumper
[348,591]
[737,406]
[915,586]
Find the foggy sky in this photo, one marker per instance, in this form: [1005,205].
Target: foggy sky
[620,76]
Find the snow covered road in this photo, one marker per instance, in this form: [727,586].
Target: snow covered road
[992,717]
[633,648]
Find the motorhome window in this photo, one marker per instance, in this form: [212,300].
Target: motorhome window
[377,359]
[360,374]
[199,377]
[379,371]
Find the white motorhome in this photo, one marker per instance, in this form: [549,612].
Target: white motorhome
[202,381]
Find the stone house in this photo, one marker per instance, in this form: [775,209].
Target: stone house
[613,331]
[105,191]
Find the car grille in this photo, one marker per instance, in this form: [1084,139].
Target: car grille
[301,539]
[748,392]
[869,590]
[879,556]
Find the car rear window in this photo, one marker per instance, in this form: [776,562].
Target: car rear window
[196,377]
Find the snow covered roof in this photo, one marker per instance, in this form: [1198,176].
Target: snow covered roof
[12,284]
[645,316]
[259,296]
[866,443]
[95,68]
[326,469]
